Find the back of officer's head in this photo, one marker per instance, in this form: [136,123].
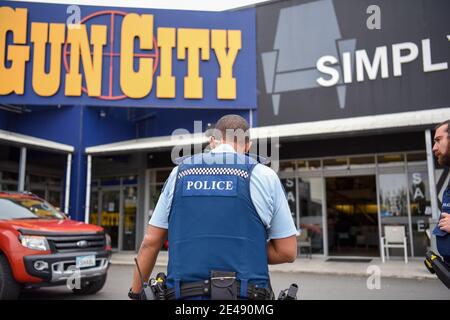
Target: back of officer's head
[234,130]
[447,127]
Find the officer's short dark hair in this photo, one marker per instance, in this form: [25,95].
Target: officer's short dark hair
[447,122]
[233,122]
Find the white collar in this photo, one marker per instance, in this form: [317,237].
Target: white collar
[223,147]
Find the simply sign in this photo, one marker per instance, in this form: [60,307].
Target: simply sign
[323,60]
[128,57]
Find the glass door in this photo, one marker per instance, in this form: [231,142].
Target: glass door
[352,216]
[310,199]
[110,214]
[129,218]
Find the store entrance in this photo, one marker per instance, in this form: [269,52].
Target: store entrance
[114,207]
[352,216]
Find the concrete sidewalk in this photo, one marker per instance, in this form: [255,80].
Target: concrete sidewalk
[394,268]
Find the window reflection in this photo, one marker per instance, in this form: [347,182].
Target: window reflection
[310,207]
[393,198]
[420,206]
[291,195]
[393,204]
[390,158]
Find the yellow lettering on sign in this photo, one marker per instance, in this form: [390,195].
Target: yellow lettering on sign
[193,40]
[226,84]
[12,79]
[79,46]
[136,84]
[47,84]
[86,57]
[165,83]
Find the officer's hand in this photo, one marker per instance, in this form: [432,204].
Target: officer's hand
[444,223]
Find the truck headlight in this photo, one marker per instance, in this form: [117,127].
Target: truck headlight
[34,242]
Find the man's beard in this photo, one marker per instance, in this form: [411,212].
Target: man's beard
[444,159]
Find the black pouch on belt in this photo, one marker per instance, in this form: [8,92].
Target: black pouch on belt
[223,285]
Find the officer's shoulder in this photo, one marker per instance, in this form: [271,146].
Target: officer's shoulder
[262,170]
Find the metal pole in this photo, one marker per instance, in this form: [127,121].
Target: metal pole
[297,198]
[88,188]
[121,214]
[324,212]
[408,207]
[22,169]
[432,182]
[380,225]
[67,192]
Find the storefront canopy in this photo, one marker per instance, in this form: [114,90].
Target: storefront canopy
[307,130]
[30,141]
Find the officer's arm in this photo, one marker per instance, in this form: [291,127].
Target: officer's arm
[148,253]
[282,250]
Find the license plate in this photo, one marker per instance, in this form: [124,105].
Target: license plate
[85,261]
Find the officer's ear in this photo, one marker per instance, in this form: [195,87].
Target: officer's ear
[212,142]
[248,146]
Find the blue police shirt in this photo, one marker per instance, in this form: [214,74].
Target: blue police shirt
[267,195]
[442,237]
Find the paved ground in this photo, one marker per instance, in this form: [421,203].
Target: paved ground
[312,286]
[394,268]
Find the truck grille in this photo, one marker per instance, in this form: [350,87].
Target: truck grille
[72,243]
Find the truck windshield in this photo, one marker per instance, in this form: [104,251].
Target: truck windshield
[27,208]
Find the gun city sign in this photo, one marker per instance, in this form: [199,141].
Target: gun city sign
[126,58]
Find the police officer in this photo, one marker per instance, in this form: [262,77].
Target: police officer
[226,217]
[441,150]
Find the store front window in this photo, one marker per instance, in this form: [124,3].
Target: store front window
[47,187]
[335,163]
[290,189]
[361,193]
[44,173]
[420,207]
[393,193]
[310,207]
[309,165]
[386,160]
[393,198]
[8,180]
[361,162]
[9,167]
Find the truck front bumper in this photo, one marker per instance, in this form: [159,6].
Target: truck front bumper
[58,268]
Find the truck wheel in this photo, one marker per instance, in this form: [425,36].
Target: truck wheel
[91,287]
[9,288]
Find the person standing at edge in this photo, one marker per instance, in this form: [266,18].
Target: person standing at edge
[441,150]
[221,239]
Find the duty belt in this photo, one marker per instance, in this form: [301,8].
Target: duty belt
[203,288]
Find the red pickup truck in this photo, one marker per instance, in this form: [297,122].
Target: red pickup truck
[40,246]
